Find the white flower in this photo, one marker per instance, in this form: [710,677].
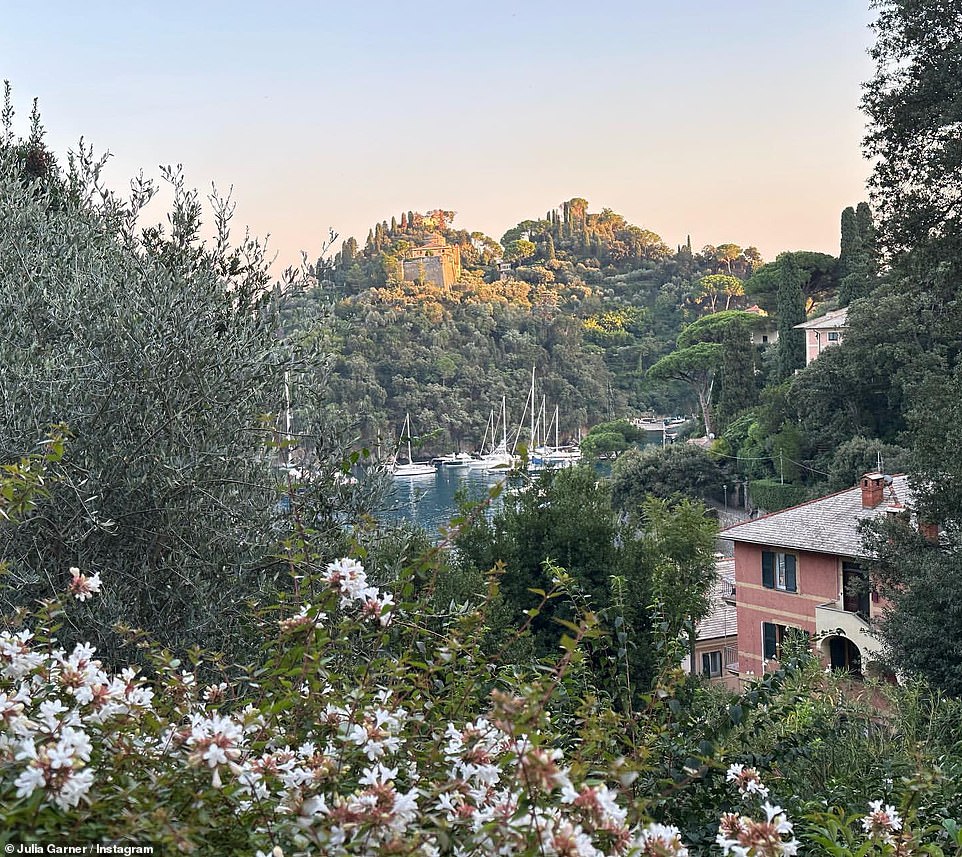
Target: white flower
[30,779]
[659,839]
[881,822]
[378,775]
[81,586]
[77,784]
[747,780]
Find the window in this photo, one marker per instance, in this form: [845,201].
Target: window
[773,636]
[855,589]
[711,663]
[779,571]
[833,336]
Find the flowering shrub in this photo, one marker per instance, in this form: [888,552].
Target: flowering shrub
[359,734]
[371,726]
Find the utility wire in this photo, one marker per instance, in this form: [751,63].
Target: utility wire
[768,458]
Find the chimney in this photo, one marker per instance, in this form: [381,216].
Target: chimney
[929,531]
[873,487]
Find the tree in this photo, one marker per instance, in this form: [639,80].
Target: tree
[738,389]
[622,573]
[857,261]
[714,286]
[790,308]
[700,354]
[727,254]
[850,252]
[160,354]
[695,366]
[914,107]
[517,251]
[816,279]
[865,223]
[679,469]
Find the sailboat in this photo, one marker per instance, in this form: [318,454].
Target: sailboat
[412,468]
[543,456]
[498,458]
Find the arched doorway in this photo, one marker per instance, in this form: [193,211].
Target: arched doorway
[843,655]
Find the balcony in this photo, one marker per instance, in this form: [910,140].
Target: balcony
[726,590]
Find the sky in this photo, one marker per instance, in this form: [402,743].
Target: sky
[726,120]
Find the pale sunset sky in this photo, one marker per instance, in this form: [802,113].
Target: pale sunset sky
[729,120]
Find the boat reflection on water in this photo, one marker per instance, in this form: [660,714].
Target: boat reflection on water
[430,503]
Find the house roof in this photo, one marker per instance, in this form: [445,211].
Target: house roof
[830,321]
[826,525]
[722,620]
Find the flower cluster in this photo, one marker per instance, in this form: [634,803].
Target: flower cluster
[882,822]
[83,587]
[61,702]
[743,836]
[319,765]
[348,578]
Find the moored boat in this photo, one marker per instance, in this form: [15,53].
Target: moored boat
[412,467]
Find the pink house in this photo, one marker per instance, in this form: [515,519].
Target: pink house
[823,332]
[803,570]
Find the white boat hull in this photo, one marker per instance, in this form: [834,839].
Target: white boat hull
[413,469]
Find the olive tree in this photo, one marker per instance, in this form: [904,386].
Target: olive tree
[161,354]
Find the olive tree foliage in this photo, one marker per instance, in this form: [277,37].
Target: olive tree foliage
[160,353]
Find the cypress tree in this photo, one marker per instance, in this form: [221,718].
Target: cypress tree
[393,231]
[790,307]
[866,233]
[404,221]
[850,249]
[549,249]
[738,388]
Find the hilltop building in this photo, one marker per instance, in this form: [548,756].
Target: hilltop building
[765,332]
[434,262]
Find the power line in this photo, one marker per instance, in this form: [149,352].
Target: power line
[768,458]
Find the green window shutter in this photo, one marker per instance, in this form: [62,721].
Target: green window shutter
[791,578]
[705,664]
[769,640]
[768,569]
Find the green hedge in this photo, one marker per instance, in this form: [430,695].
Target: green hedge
[772,496]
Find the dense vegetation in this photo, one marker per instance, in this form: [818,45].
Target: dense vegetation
[310,682]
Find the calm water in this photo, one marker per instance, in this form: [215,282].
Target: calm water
[430,501]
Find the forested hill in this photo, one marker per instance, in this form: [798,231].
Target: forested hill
[587,299]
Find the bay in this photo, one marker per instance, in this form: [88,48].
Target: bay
[430,502]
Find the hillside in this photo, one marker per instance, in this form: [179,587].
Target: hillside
[587,299]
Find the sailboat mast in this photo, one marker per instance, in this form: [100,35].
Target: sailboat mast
[533,439]
[504,422]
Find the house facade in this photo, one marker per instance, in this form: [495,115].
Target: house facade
[823,332]
[716,636]
[802,571]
